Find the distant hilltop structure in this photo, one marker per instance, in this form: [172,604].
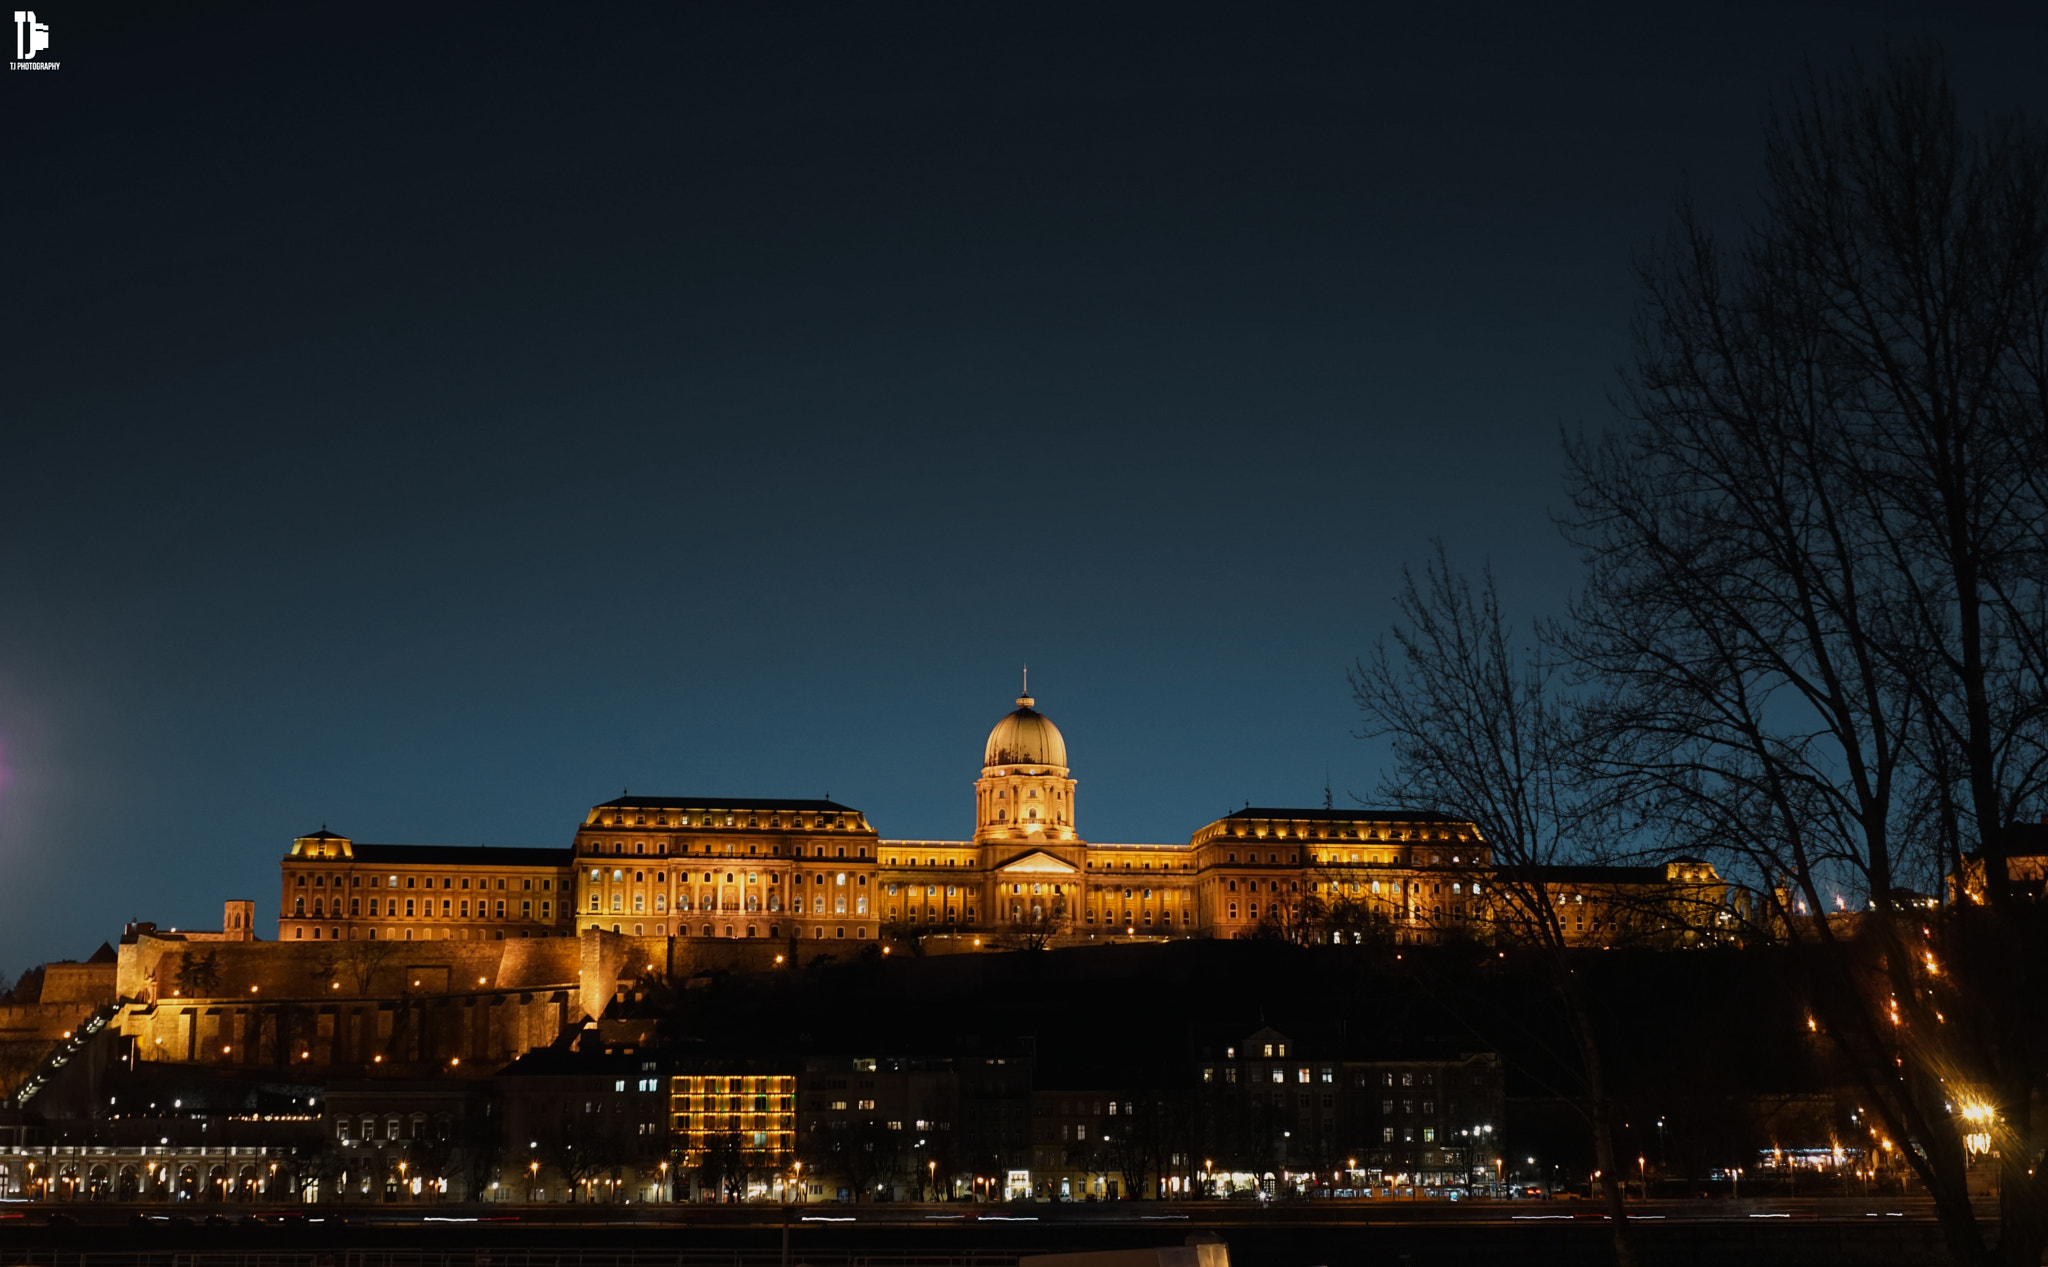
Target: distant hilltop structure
[770,870]
[414,956]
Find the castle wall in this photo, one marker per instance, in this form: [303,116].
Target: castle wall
[150,968]
[429,1006]
[445,1033]
[420,1007]
[41,1023]
[89,983]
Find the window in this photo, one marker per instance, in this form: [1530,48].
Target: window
[1386,1135]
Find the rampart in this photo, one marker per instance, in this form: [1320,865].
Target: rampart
[396,1007]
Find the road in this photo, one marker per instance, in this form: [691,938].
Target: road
[1289,1234]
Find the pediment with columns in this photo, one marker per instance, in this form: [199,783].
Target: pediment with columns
[1039,862]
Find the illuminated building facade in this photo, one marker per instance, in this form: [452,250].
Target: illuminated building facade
[734,1131]
[817,870]
[336,889]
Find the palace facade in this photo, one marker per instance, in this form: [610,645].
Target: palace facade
[816,870]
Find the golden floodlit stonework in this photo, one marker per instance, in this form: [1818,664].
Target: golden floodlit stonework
[817,870]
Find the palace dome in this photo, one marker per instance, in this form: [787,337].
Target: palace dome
[1025,737]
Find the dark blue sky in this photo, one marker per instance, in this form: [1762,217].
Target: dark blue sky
[428,421]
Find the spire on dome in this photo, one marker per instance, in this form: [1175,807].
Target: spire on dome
[1025,700]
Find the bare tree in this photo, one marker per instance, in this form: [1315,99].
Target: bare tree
[1481,733]
[357,963]
[198,973]
[1815,604]
[1037,928]
[1136,1144]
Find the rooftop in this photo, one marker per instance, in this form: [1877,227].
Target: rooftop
[1346,815]
[725,802]
[458,855]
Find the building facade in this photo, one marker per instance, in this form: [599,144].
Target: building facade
[734,1131]
[336,889]
[817,870]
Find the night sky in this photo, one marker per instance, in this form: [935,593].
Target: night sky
[431,420]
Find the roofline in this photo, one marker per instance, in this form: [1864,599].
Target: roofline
[724,803]
[1344,815]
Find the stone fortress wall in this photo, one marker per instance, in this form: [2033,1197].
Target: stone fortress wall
[306,1008]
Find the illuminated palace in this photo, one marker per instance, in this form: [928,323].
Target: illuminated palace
[704,867]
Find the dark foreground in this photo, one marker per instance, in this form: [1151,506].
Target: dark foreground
[1681,1234]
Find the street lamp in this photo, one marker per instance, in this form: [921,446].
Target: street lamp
[933,1167]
